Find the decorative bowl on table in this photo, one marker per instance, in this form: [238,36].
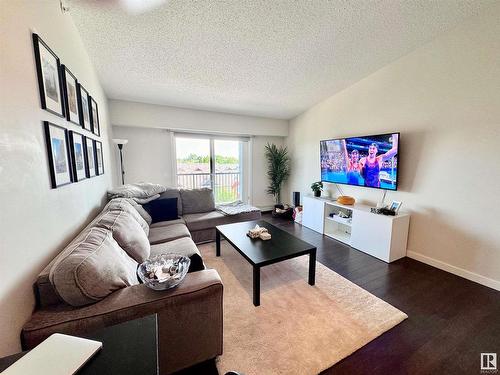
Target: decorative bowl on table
[164,271]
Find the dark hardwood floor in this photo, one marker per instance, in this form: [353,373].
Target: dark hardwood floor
[450,320]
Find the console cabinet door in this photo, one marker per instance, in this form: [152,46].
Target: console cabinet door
[371,234]
[313,216]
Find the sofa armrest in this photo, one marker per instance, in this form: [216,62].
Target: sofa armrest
[189,319]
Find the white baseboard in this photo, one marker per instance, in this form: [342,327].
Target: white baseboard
[483,280]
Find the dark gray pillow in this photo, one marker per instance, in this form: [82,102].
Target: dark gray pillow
[162,209]
[173,193]
[197,200]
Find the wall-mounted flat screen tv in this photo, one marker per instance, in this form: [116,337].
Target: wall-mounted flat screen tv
[370,161]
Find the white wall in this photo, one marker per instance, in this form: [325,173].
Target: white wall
[37,221]
[147,157]
[125,113]
[260,197]
[445,100]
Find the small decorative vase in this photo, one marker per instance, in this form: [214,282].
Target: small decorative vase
[317,193]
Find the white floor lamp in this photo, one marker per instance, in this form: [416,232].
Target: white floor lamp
[120,143]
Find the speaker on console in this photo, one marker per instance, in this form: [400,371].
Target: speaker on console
[296,198]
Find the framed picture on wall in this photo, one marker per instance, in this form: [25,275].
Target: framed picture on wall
[94,116]
[99,160]
[77,150]
[70,86]
[90,157]
[48,70]
[58,154]
[84,108]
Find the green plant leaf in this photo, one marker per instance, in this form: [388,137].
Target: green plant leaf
[278,169]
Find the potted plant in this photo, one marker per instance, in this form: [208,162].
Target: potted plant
[317,188]
[278,170]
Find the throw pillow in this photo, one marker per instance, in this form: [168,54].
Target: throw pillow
[197,200]
[173,193]
[127,233]
[162,209]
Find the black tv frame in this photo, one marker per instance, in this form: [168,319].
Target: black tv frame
[363,136]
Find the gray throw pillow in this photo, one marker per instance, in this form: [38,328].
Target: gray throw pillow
[127,233]
[197,200]
[123,204]
[141,211]
[94,267]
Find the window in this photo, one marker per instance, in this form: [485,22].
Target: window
[209,162]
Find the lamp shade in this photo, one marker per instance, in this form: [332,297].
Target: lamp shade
[120,141]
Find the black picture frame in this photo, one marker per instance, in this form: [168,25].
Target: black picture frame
[99,158]
[94,117]
[84,108]
[77,156]
[90,159]
[58,155]
[49,77]
[70,95]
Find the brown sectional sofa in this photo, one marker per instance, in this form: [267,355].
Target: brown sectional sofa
[92,283]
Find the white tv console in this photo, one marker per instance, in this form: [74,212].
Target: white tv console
[381,236]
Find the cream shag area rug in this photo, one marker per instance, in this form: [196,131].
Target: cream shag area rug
[298,328]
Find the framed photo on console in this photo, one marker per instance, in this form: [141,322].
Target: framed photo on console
[94,116]
[77,150]
[70,86]
[99,158]
[84,108]
[395,206]
[48,70]
[57,149]
[90,157]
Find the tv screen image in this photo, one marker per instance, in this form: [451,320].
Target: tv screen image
[370,161]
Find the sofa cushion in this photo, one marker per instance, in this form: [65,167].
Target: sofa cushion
[141,190]
[163,209]
[127,233]
[197,200]
[182,246]
[207,220]
[167,223]
[93,268]
[173,193]
[123,204]
[168,233]
[142,212]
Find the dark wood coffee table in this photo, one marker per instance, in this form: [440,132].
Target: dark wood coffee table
[261,253]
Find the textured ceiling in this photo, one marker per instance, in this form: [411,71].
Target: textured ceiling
[262,58]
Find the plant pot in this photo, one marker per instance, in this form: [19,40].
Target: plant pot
[317,193]
[288,214]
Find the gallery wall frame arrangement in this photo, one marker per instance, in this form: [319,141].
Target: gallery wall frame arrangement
[77,148]
[84,103]
[99,159]
[72,156]
[70,86]
[58,152]
[90,159]
[48,68]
